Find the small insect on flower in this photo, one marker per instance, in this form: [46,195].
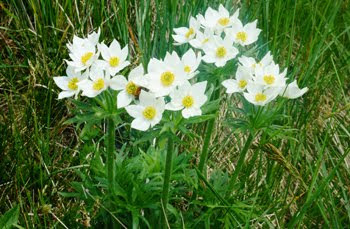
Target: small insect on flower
[164,76]
[202,39]
[219,51]
[69,83]
[243,78]
[244,35]
[257,95]
[251,64]
[98,82]
[270,76]
[190,63]
[148,112]
[130,89]
[83,52]
[184,34]
[114,57]
[188,98]
[292,91]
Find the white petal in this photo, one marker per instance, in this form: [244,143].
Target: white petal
[140,124]
[65,94]
[123,99]
[134,111]
[62,82]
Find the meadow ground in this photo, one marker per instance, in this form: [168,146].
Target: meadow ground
[301,180]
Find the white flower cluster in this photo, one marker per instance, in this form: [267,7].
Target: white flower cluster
[219,35]
[170,77]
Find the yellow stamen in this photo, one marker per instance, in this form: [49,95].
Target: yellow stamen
[167,78]
[149,112]
[72,84]
[242,84]
[187,69]
[260,97]
[221,52]
[187,101]
[114,61]
[98,84]
[131,88]
[86,57]
[224,21]
[242,36]
[269,79]
[189,33]
[205,41]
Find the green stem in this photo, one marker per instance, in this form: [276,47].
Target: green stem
[209,131]
[241,160]
[110,152]
[167,173]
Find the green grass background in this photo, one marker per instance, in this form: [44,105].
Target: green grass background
[305,179]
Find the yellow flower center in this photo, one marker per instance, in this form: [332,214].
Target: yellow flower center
[242,84]
[72,84]
[205,41]
[242,36]
[167,78]
[114,61]
[131,88]
[260,97]
[221,52]
[224,21]
[187,69]
[189,33]
[86,57]
[98,85]
[269,79]
[149,112]
[187,101]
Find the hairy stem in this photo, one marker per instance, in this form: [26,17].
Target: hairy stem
[209,130]
[110,152]
[241,160]
[167,173]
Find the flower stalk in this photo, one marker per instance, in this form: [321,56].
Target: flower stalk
[167,173]
[209,130]
[110,152]
[239,166]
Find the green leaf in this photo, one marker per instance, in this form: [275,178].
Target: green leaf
[10,218]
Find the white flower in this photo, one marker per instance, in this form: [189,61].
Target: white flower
[251,63]
[292,91]
[148,112]
[184,34]
[259,96]
[190,63]
[69,83]
[188,98]
[244,35]
[82,53]
[130,88]
[114,57]
[98,82]
[224,20]
[243,78]
[218,19]
[202,39]
[94,37]
[270,76]
[164,76]
[210,18]
[219,51]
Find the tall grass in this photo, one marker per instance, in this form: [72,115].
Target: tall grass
[299,181]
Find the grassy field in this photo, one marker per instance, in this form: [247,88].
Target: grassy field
[301,179]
